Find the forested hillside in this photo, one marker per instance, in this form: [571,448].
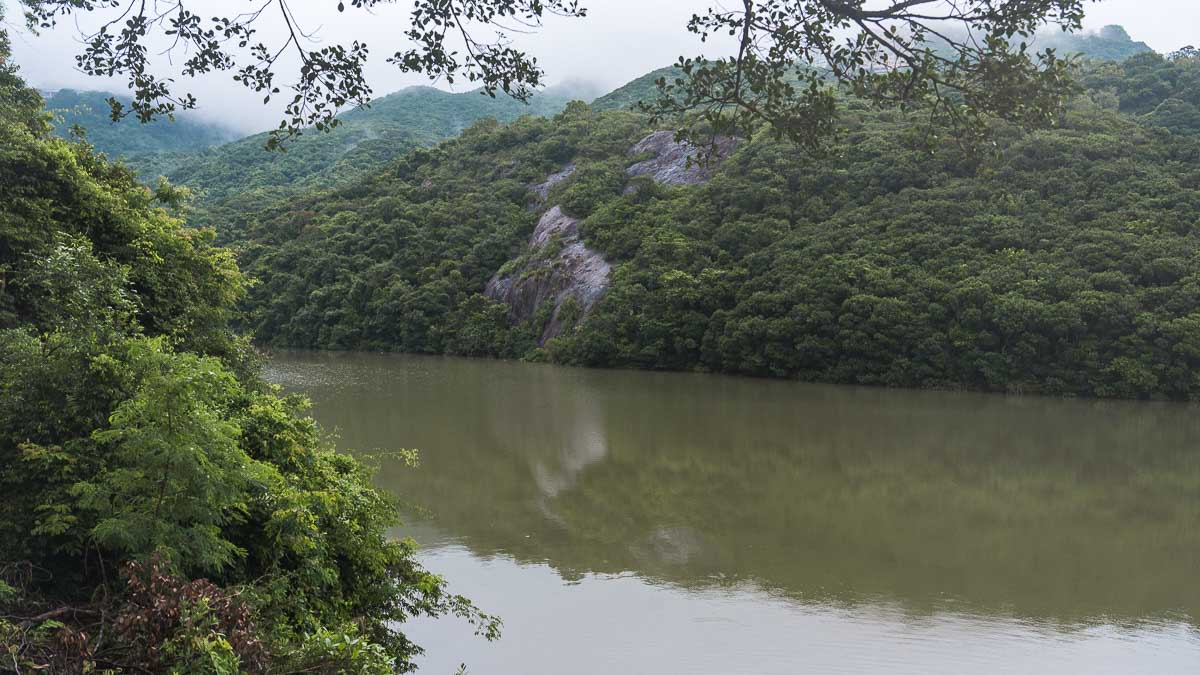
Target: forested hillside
[1110,43]
[90,111]
[1064,261]
[237,178]
[638,90]
[165,510]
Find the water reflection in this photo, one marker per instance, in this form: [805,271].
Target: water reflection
[1066,512]
[603,624]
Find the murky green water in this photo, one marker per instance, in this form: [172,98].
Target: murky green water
[631,522]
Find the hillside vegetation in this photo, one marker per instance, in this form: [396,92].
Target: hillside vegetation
[127,138]
[165,510]
[1063,262]
[234,179]
[639,90]
[237,178]
[1110,43]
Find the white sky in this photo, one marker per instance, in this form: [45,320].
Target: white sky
[618,41]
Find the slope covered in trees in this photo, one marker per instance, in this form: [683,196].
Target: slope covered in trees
[235,179]
[1163,93]
[90,111]
[1110,43]
[1064,261]
[642,89]
[164,509]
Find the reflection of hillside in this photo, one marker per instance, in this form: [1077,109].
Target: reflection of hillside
[1061,510]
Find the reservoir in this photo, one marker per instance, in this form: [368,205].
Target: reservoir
[644,522]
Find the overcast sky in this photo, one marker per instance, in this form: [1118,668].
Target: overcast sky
[618,41]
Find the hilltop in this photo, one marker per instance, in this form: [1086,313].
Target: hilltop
[1110,43]
[91,111]
[232,175]
[237,177]
[640,89]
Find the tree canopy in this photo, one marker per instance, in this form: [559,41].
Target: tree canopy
[963,60]
[166,510]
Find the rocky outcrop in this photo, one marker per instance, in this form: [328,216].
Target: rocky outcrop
[553,223]
[542,190]
[558,268]
[669,162]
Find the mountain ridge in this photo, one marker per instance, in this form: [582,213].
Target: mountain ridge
[90,110]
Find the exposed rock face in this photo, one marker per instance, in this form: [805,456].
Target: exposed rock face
[553,222]
[542,190]
[669,164]
[558,267]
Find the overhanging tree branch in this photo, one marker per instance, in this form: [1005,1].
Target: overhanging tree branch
[966,58]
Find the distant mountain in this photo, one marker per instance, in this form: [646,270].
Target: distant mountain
[1110,43]
[90,110]
[644,88]
[576,90]
[367,139]
[236,179]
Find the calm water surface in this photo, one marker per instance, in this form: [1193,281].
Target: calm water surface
[631,522]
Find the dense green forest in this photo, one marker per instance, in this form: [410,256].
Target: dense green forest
[235,179]
[165,510]
[1060,261]
[1110,43]
[90,111]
